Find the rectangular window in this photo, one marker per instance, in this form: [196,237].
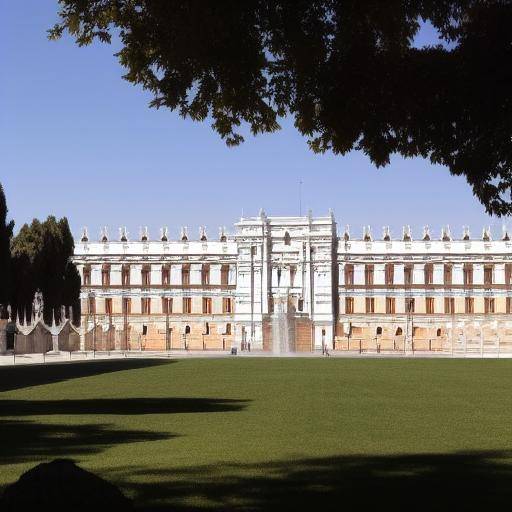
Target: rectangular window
[205,274]
[469,305]
[127,306]
[409,305]
[390,305]
[125,275]
[92,306]
[508,273]
[408,274]
[224,275]
[349,275]
[227,306]
[349,305]
[146,275]
[429,305]
[489,304]
[488,274]
[449,305]
[207,306]
[389,273]
[370,305]
[468,273]
[448,270]
[185,275]
[300,304]
[108,306]
[105,275]
[187,305]
[293,272]
[166,305]
[368,275]
[509,305]
[146,306]
[166,275]
[429,273]
[87,275]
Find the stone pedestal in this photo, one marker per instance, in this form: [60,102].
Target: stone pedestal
[55,343]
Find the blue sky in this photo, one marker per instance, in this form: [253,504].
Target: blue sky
[77,140]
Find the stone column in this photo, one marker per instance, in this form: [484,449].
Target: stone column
[3,336]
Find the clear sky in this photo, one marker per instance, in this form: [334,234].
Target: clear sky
[77,140]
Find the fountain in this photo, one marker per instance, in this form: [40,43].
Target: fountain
[281,327]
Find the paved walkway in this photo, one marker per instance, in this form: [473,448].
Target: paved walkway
[60,357]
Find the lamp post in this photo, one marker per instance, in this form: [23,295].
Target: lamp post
[167,325]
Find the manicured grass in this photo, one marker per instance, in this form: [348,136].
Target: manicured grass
[255,433]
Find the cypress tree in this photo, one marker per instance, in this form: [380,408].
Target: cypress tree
[41,254]
[6,229]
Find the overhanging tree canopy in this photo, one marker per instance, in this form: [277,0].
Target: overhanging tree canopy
[345,70]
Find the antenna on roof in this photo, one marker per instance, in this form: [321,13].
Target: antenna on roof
[300,198]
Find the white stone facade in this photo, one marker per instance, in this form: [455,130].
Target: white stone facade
[293,284]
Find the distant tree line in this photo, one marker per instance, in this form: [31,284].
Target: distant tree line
[37,258]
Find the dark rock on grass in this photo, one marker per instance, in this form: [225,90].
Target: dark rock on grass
[61,485]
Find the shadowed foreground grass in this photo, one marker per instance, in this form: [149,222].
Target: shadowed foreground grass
[268,434]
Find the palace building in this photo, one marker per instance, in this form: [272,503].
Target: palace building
[294,284]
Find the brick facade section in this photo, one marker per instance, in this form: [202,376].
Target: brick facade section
[303,335]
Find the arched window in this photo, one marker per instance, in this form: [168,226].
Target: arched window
[287,238]
[398,331]
[187,329]
[439,332]
[228,329]
[207,328]
[379,331]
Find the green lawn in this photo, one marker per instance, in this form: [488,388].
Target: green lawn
[258,433]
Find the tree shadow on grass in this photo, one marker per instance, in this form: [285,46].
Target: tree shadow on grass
[121,406]
[459,481]
[33,440]
[30,441]
[22,376]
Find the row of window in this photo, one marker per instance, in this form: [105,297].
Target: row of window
[167,305]
[165,273]
[227,330]
[410,304]
[354,331]
[428,274]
